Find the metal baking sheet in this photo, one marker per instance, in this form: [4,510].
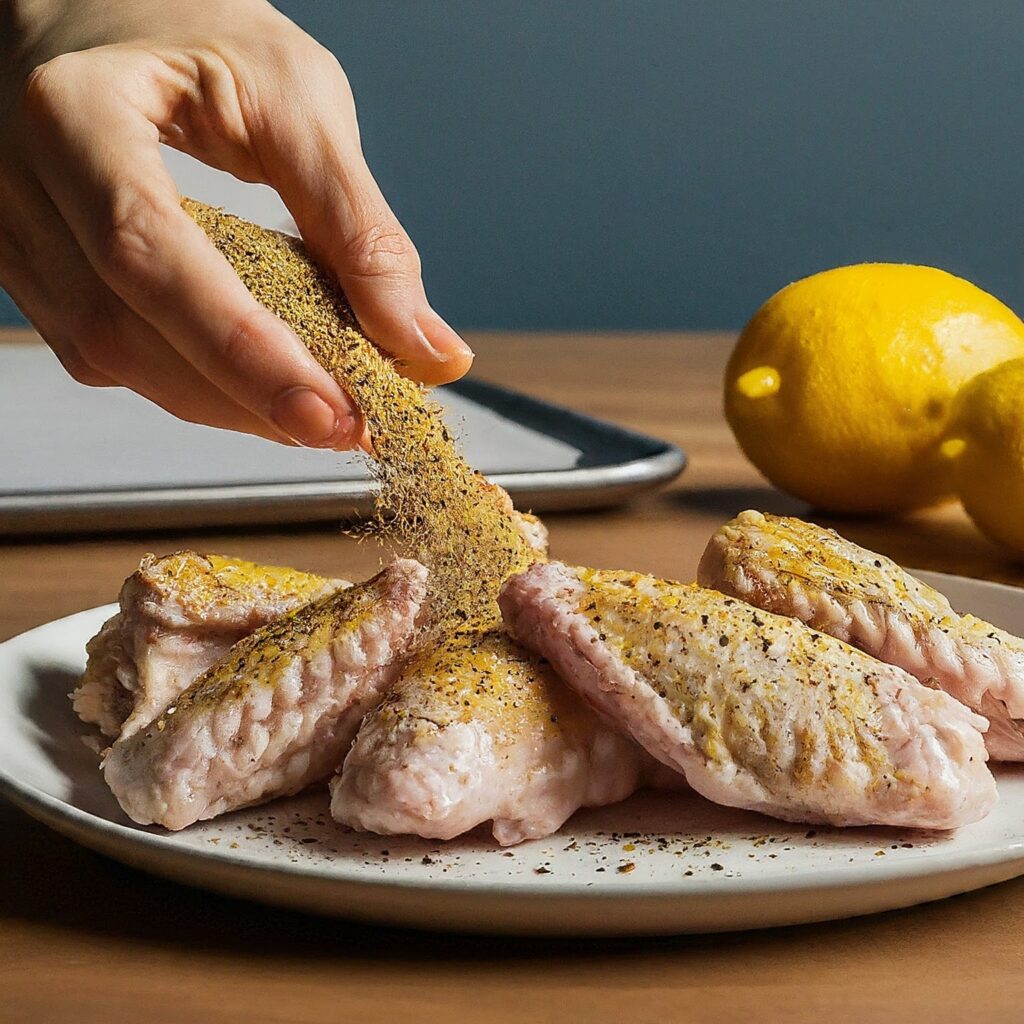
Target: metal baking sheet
[81,459]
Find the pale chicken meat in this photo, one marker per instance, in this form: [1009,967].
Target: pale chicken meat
[796,568]
[178,615]
[479,730]
[757,711]
[533,529]
[278,712]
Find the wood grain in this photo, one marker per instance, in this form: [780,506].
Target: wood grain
[84,939]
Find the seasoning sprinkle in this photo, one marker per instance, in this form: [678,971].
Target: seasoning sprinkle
[431,504]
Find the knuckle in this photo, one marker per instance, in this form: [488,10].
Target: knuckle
[46,86]
[306,54]
[80,368]
[381,251]
[97,346]
[242,341]
[327,63]
[129,242]
[300,58]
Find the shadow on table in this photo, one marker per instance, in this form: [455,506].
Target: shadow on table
[730,501]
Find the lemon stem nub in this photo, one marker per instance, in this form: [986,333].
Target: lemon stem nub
[952,447]
[760,382]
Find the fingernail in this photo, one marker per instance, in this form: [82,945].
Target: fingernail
[303,415]
[442,340]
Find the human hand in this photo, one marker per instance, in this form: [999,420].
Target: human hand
[119,281]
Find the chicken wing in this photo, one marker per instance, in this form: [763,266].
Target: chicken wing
[758,711]
[795,568]
[277,713]
[479,730]
[178,615]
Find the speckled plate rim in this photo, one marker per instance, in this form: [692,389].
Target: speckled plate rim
[53,812]
[147,849]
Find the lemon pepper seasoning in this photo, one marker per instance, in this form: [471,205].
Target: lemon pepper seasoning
[431,503]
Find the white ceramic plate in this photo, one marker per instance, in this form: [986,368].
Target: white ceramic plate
[655,864]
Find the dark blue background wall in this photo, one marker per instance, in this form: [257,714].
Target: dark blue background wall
[656,164]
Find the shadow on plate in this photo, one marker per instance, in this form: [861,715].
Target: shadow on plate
[61,737]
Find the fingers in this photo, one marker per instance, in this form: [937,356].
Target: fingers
[124,212]
[378,268]
[134,357]
[33,283]
[96,337]
[310,149]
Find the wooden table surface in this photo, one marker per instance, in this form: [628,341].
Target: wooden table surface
[85,939]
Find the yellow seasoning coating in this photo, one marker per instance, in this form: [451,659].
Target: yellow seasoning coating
[483,677]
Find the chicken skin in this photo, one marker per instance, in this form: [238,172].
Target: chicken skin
[277,713]
[758,711]
[479,730]
[795,568]
[179,615]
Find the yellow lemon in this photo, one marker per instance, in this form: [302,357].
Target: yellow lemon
[986,447]
[840,387]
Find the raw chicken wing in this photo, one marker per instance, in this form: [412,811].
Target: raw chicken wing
[178,615]
[479,730]
[758,711]
[795,568]
[277,713]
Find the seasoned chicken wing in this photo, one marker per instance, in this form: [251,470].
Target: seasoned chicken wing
[796,568]
[277,712]
[758,711]
[479,730]
[179,614]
